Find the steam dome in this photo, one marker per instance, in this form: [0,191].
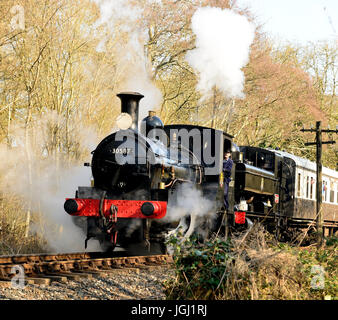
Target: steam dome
[151,122]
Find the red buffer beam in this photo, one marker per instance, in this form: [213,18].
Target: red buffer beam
[125,208]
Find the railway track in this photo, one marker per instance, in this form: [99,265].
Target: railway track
[46,268]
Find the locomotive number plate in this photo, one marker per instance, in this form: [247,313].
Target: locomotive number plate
[121,150]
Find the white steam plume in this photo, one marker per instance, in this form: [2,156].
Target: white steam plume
[59,229]
[223,40]
[139,75]
[135,70]
[190,201]
[43,185]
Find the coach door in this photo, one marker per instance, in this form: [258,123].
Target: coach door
[287,187]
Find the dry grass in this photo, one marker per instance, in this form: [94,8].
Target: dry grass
[259,271]
[13,227]
[251,265]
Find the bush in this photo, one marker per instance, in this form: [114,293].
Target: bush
[13,238]
[251,265]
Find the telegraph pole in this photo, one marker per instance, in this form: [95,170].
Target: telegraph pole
[319,184]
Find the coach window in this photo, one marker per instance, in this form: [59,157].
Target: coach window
[324,190]
[311,188]
[299,184]
[314,189]
[331,192]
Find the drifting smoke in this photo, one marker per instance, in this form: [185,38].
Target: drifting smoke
[139,79]
[43,185]
[223,40]
[61,233]
[132,61]
[191,202]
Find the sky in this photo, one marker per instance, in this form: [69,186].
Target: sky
[296,20]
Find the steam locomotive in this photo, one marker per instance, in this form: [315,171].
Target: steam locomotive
[138,174]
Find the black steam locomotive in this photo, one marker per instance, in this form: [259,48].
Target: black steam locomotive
[138,174]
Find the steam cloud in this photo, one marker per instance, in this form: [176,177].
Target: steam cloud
[60,232]
[223,40]
[43,186]
[190,201]
[132,60]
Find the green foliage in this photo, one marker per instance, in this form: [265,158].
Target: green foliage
[332,241]
[326,259]
[201,266]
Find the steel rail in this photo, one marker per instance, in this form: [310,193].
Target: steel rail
[53,267]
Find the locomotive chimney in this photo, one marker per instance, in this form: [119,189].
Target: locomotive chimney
[130,104]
